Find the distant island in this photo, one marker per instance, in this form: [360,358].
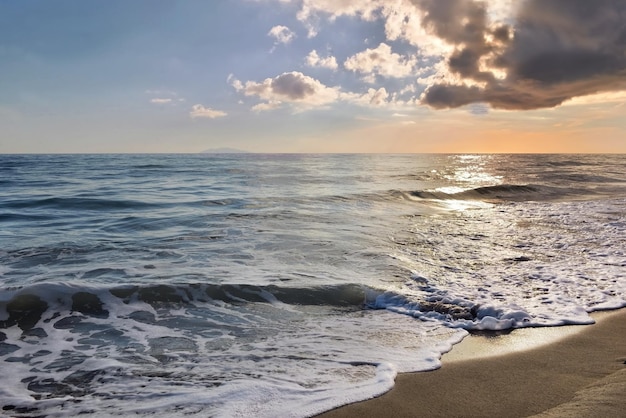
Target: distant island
[224,151]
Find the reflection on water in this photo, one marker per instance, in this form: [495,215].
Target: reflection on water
[471,171]
[462,205]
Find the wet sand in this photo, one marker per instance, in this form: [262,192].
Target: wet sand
[576,371]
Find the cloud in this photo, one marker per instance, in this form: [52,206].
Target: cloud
[402,19]
[553,51]
[199,111]
[314,60]
[161,97]
[312,10]
[381,61]
[373,97]
[264,107]
[293,87]
[508,54]
[304,93]
[238,85]
[616,97]
[365,9]
[282,34]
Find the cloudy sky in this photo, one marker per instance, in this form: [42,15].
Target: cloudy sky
[313,75]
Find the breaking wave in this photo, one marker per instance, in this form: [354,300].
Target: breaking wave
[504,192]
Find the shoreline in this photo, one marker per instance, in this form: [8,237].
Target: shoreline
[577,371]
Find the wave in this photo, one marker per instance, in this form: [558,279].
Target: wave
[587,178]
[502,192]
[12,217]
[25,306]
[568,163]
[181,357]
[103,204]
[76,203]
[151,167]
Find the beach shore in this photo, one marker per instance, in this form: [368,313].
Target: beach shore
[576,371]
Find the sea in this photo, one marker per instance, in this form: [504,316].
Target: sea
[240,285]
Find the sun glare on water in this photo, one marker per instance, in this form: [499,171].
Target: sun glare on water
[470,172]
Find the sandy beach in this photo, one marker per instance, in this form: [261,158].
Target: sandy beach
[576,371]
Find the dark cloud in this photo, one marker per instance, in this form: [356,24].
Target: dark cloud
[293,85]
[463,23]
[450,95]
[502,33]
[456,21]
[556,50]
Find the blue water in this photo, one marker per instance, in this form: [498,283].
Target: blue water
[284,285]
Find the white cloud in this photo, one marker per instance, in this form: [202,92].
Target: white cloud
[282,34]
[164,97]
[598,98]
[366,9]
[158,100]
[402,18]
[293,87]
[379,98]
[409,88]
[438,73]
[373,97]
[312,11]
[314,60]
[199,111]
[304,92]
[263,107]
[403,21]
[234,82]
[381,61]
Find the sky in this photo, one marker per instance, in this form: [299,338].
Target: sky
[396,76]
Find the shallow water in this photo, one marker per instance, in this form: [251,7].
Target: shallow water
[284,285]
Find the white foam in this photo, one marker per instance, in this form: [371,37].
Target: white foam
[527,264]
[270,359]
